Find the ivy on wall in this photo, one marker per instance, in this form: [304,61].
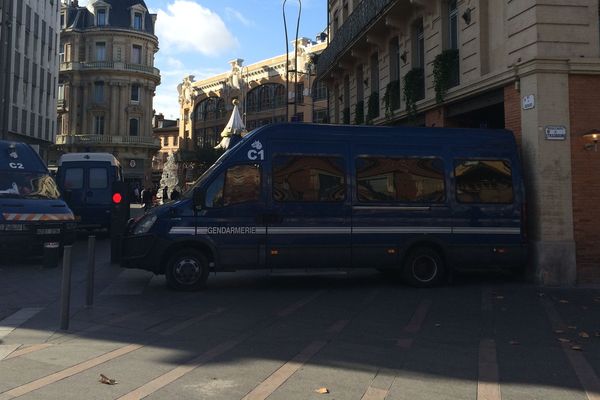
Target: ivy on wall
[445,73]
[373,107]
[359,113]
[391,98]
[414,87]
[346,115]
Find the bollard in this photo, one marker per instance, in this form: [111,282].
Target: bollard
[65,289]
[89,300]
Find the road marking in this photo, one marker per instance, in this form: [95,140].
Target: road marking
[26,350]
[178,372]
[488,387]
[373,393]
[7,349]
[299,304]
[12,322]
[81,367]
[68,372]
[415,324]
[279,377]
[584,371]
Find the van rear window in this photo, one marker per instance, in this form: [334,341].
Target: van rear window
[407,180]
[74,178]
[98,178]
[483,181]
[308,178]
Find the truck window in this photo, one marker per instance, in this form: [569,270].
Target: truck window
[407,180]
[238,184]
[74,178]
[98,178]
[308,178]
[483,181]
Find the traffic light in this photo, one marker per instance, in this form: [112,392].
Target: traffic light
[119,215]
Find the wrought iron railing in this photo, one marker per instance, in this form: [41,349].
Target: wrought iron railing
[77,66]
[366,12]
[107,139]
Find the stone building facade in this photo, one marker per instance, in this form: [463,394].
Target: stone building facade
[29,71]
[529,66]
[107,83]
[266,91]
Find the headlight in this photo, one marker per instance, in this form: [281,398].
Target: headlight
[144,225]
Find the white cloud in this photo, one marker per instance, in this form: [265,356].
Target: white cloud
[236,15]
[187,26]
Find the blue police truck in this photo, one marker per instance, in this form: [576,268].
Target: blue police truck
[34,220]
[420,201]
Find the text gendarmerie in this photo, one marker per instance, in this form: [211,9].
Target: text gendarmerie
[233,230]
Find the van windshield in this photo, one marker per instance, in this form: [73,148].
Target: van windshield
[30,185]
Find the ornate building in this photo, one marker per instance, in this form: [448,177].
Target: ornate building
[107,83]
[29,71]
[531,67]
[266,91]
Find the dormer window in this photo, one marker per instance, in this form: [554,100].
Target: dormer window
[101,19]
[138,19]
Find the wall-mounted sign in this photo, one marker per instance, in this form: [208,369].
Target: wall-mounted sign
[528,102]
[132,163]
[556,133]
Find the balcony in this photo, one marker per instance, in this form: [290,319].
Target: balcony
[356,25]
[61,105]
[109,65]
[95,140]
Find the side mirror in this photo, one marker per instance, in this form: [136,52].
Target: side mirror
[199,199]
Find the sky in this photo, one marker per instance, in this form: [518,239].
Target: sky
[200,37]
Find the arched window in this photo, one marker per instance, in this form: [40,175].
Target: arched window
[266,97]
[210,109]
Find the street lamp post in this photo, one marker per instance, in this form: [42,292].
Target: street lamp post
[5,64]
[287,60]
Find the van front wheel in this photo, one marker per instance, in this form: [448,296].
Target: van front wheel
[187,270]
[423,267]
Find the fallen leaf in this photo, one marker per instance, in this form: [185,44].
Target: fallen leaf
[514,343]
[563,301]
[106,380]
[578,348]
[564,340]
[559,331]
[322,390]
[584,334]
[573,327]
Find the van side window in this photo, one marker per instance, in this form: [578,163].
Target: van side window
[483,181]
[74,178]
[98,178]
[308,178]
[239,184]
[409,180]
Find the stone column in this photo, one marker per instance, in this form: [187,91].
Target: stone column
[113,117]
[84,106]
[547,164]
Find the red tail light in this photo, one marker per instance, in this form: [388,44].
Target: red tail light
[117,198]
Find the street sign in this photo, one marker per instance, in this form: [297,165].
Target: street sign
[556,133]
[528,102]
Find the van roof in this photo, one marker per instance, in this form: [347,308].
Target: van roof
[85,157]
[21,153]
[407,134]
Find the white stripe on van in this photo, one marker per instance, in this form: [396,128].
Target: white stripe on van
[328,230]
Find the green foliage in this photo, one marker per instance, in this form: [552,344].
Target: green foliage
[413,89]
[359,113]
[445,68]
[208,155]
[372,107]
[391,98]
[346,115]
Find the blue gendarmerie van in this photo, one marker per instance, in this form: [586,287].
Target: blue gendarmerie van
[86,180]
[34,220]
[420,201]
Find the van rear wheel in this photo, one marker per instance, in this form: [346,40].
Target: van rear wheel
[187,270]
[423,267]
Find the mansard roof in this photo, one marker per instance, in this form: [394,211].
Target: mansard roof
[119,14]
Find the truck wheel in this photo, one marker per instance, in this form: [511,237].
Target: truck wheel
[187,270]
[423,267]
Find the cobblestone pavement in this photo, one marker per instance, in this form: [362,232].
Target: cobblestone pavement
[253,336]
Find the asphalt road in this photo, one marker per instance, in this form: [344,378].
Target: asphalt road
[254,336]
